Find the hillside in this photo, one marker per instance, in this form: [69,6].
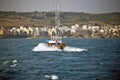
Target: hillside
[41,19]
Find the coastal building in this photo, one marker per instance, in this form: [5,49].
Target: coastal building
[75,26]
[84,27]
[36,32]
[94,28]
[30,30]
[13,31]
[1,31]
[43,32]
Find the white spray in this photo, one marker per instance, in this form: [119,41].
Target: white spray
[44,47]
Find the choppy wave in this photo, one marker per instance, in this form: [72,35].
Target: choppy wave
[44,47]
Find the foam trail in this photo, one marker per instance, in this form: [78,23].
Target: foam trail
[73,49]
[44,47]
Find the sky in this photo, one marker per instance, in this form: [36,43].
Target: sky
[87,6]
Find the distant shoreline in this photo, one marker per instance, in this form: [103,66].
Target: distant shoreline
[19,37]
[73,24]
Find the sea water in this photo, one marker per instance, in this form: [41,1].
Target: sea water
[82,59]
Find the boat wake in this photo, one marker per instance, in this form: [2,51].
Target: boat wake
[44,47]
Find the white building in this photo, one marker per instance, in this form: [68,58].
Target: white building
[84,27]
[94,28]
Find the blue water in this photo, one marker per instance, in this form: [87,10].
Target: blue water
[100,61]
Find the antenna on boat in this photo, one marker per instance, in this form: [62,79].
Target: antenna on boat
[57,18]
[56,42]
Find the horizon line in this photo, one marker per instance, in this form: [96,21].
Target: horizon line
[60,11]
